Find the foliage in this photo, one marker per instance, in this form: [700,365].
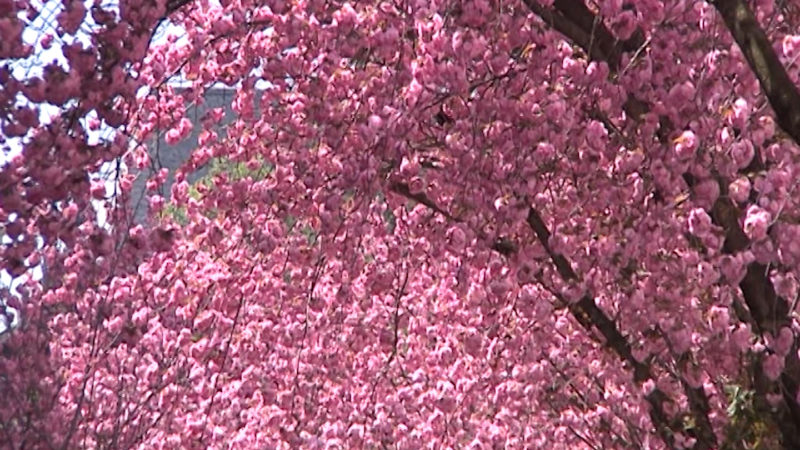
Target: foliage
[478,224]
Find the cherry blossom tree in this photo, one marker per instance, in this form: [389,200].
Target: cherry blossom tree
[444,223]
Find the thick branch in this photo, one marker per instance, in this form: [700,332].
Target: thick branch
[575,21]
[174,5]
[783,95]
[770,312]
[543,234]
[501,245]
[586,310]
[590,316]
[405,191]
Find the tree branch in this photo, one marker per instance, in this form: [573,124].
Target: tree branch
[575,21]
[405,191]
[770,312]
[781,92]
[590,316]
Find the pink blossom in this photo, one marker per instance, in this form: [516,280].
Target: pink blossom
[115,325]
[733,268]
[773,366]
[740,113]
[785,285]
[98,190]
[458,238]
[783,342]
[739,189]
[72,17]
[299,299]
[681,94]
[408,167]
[46,41]
[791,45]
[473,344]
[742,153]
[624,24]
[706,192]
[544,151]
[156,202]
[356,432]
[756,222]
[648,387]
[416,186]
[686,145]
[173,136]
[70,212]
[681,341]
[720,318]
[699,222]
[596,134]
[375,122]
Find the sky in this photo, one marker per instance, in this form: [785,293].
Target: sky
[30,67]
[22,69]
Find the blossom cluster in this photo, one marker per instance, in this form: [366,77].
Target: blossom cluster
[456,224]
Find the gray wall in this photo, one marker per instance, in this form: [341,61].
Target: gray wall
[171,157]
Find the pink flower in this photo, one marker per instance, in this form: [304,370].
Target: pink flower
[409,167]
[72,17]
[739,113]
[680,94]
[205,138]
[681,341]
[140,317]
[785,285]
[473,344]
[46,41]
[114,325]
[596,133]
[457,238]
[686,144]
[791,45]
[413,92]
[720,318]
[624,24]
[173,136]
[416,186]
[70,212]
[742,153]
[783,343]
[757,222]
[699,222]
[706,192]
[356,432]
[733,268]
[98,190]
[156,202]
[772,366]
[544,151]
[375,122]
[707,274]
[180,191]
[739,190]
